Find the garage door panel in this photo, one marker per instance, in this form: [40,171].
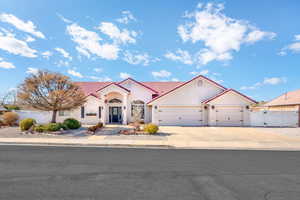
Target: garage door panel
[180,116]
[228,116]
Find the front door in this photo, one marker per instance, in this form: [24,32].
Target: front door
[115,114]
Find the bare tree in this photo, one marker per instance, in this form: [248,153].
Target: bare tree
[9,97]
[50,92]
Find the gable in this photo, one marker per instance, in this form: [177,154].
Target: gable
[190,93]
[137,91]
[230,97]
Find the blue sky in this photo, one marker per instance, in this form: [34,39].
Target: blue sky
[252,46]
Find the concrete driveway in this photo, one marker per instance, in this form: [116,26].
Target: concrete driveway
[232,136]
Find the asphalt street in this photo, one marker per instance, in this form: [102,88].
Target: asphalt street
[88,173]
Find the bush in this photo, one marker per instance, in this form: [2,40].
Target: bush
[40,128]
[151,128]
[72,123]
[95,128]
[63,126]
[2,123]
[10,118]
[12,107]
[26,124]
[52,127]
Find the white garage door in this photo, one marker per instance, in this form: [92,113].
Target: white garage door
[180,116]
[229,116]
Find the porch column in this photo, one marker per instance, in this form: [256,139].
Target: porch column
[103,110]
[125,109]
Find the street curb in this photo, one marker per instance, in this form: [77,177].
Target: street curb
[134,146]
[90,145]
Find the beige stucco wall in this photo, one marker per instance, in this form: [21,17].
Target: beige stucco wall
[229,100]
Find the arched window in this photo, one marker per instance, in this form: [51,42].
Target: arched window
[137,110]
[115,100]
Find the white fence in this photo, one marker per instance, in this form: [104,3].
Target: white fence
[41,117]
[274,118]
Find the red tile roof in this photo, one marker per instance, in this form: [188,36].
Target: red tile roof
[162,87]
[159,87]
[91,87]
[289,98]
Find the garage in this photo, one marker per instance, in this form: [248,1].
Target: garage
[180,116]
[229,116]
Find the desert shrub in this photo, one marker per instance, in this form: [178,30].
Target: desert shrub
[64,126]
[52,127]
[12,107]
[26,124]
[151,128]
[72,123]
[40,128]
[10,118]
[99,125]
[95,128]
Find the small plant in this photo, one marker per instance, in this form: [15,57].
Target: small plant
[137,125]
[72,123]
[10,118]
[63,126]
[2,123]
[40,128]
[151,128]
[94,129]
[26,124]
[12,107]
[51,127]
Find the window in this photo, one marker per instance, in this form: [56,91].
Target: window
[64,113]
[138,110]
[115,101]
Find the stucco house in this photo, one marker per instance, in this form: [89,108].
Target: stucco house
[197,102]
[289,101]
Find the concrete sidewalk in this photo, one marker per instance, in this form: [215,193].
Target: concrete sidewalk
[181,137]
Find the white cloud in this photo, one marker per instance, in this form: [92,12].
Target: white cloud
[139,58]
[98,69]
[62,63]
[6,65]
[74,73]
[274,80]
[27,27]
[175,79]
[29,39]
[126,17]
[64,53]
[220,35]
[88,43]
[9,43]
[31,70]
[257,35]
[100,79]
[46,54]
[266,81]
[180,55]
[63,18]
[203,72]
[124,75]
[293,47]
[161,74]
[119,36]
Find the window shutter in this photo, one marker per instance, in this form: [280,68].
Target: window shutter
[82,112]
[99,112]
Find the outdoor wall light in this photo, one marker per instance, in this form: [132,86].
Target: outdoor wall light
[155,107]
[124,107]
[247,107]
[205,107]
[212,107]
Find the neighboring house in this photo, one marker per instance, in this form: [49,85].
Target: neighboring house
[197,102]
[289,101]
